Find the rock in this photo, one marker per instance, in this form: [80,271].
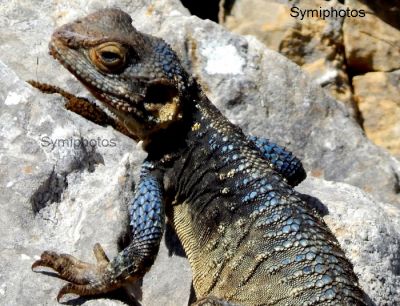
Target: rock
[316,44]
[68,197]
[368,231]
[49,196]
[371,44]
[378,98]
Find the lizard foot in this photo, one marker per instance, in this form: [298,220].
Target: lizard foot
[84,278]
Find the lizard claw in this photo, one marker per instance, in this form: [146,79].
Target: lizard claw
[83,278]
[100,255]
[47,259]
[70,288]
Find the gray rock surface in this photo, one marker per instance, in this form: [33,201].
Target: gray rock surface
[338,53]
[367,230]
[67,198]
[316,44]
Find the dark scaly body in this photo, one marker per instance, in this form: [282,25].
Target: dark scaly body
[249,238]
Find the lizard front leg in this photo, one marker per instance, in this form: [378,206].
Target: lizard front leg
[283,161]
[147,223]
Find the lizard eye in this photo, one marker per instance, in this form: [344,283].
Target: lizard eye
[109,57]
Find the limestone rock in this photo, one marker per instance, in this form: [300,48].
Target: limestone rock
[67,197]
[316,44]
[378,98]
[49,197]
[361,225]
[371,43]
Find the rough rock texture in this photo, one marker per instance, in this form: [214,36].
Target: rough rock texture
[371,43]
[378,98]
[333,50]
[67,198]
[361,224]
[313,43]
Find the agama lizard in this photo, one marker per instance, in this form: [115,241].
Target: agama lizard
[249,237]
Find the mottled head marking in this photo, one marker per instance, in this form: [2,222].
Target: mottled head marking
[136,76]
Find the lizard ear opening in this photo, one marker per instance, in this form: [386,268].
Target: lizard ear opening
[162,101]
[109,57]
[160,91]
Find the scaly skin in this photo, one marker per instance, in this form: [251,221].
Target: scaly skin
[249,238]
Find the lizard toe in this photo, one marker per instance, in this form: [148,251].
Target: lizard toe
[83,278]
[72,269]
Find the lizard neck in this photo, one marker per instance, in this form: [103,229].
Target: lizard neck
[200,118]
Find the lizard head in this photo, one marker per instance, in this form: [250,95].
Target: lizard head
[137,77]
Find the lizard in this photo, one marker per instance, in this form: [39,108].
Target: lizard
[249,237]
